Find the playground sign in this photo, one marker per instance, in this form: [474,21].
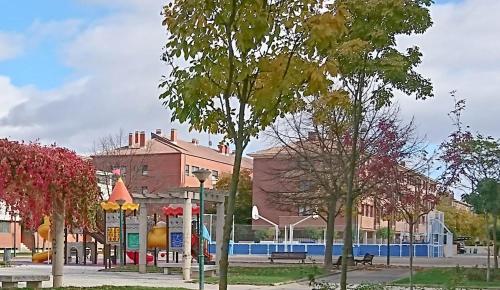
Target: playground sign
[176,236]
[176,241]
[133,241]
[132,232]
[113,228]
[112,235]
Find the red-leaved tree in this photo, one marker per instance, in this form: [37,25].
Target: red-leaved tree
[38,180]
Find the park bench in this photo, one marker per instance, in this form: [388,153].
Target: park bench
[32,281]
[339,262]
[171,268]
[288,256]
[367,259]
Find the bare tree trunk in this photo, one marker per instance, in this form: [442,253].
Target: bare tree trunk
[388,242]
[347,255]
[228,220]
[495,246]
[330,230]
[58,243]
[411,254]
[488,240]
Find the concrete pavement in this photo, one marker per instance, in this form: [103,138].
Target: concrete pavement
[91,276]
[88,276]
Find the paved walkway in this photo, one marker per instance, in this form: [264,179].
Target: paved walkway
[90,276]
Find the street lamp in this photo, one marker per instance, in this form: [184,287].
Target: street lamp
[202,175]
[120,202]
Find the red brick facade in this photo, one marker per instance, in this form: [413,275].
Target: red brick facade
[267,179]
[162,162]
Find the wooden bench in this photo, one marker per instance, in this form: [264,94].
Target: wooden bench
[288,256]
[32,281]
[367,259]
[170,268]
[339,262]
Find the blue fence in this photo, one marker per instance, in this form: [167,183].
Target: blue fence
[396,250]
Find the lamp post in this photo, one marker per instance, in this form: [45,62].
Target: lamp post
[120,202]
[202,175]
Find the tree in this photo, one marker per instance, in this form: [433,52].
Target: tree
[411,198]
[309,162]
[113,152]
[38,181]
[310,175]
[463,223]
[469,158]
[243,203]
[370,70]
[385,233]
[486,200]
[238,65]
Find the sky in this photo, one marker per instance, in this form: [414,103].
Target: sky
[74,71]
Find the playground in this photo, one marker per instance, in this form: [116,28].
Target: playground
[141,230]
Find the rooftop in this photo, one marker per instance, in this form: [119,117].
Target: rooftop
[160,144]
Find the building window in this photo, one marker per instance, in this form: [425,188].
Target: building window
[215,175]
[186,170]
[144,190]
[4,227]
[122,169]
[145,170]
[194,168]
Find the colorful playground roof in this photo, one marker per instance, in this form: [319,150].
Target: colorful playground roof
[120,192]
[176,210]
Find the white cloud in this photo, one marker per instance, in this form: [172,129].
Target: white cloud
[461,52]
[117,67]
[11,45]
[11,95]
[116,61]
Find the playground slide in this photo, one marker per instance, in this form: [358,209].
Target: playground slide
[195,247]
[134,256]
[41,257]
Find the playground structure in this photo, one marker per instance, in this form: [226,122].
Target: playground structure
[135,229]
[157,222]
[77,249]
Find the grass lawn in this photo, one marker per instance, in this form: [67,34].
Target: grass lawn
[132,268]
[470,277]
[268,275]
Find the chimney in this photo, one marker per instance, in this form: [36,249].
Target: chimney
[142,139]
[173,135]
[221,148]
[130,139]
[228,150]
[136,137]
[195,141]
[158,132]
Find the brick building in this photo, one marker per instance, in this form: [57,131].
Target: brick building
[265,181]
[162,162]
